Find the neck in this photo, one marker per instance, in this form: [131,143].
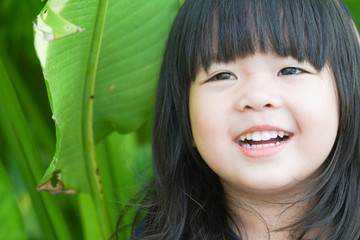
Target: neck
[265,216]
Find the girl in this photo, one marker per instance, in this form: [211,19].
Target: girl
[256,129]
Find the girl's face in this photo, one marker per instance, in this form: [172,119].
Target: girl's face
[264,123]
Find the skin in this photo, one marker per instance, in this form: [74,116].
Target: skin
[264,92]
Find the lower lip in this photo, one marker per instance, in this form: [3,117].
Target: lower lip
[263,152]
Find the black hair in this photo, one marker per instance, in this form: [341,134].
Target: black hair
[186,198]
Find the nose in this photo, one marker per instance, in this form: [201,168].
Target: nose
[258,97]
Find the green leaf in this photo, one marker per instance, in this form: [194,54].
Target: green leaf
[91,230]
[123,162]
[21,148]
[66,94]
[11,222]
[99,80]
[354,8]
[131,52]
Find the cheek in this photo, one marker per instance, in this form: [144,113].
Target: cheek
[204,114]
[318,122]
[201,125]
[208,123]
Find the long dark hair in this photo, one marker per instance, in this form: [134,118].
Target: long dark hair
[186,198]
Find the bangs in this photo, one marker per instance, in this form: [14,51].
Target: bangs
[222,31]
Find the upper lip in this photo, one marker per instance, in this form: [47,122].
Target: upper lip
[262,128]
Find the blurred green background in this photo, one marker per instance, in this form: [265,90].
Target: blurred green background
[22,214]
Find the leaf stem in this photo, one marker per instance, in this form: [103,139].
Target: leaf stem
[88,132]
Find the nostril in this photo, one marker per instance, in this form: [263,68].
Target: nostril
[269,105]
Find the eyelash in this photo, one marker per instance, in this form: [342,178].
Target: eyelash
[230,76]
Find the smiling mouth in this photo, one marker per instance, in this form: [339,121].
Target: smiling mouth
[264,139]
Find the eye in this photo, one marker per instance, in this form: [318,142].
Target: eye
[290,71]
[222,76]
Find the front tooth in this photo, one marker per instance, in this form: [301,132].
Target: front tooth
[242,137]
[256,136]
[281,134]
[274,134]
[248,136]
[265,136]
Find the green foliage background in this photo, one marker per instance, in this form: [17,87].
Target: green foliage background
[28,136]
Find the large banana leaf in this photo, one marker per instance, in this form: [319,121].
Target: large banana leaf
[100,61]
